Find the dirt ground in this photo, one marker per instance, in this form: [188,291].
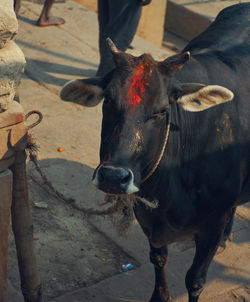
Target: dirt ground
[71,252]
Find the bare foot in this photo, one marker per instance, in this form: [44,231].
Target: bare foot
[17,6]
[50,21]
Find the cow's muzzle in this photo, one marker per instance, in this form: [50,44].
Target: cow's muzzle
[114,180]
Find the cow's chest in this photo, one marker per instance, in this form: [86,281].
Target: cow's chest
[161,230]
[164,233]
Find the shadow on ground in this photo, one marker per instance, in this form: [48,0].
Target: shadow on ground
[72,253]
[46,71]
[49,72]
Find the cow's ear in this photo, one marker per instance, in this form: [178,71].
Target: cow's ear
[88,92]
[197,97]
[175,62]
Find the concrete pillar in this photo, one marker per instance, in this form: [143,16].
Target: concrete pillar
[151,26]
[5,208]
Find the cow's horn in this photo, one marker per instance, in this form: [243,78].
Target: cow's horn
[112,46]
[120,58]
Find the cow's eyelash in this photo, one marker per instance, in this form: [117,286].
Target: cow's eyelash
[160,112]
[106,100]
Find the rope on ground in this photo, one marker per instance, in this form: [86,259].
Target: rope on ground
[121,210]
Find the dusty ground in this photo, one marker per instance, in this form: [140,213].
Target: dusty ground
[71,252]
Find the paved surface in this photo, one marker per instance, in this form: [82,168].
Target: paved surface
[55,55]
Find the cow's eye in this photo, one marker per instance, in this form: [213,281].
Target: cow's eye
[159,114]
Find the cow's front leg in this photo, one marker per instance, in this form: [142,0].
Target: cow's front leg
[159,257]
[207,243]
[227,235]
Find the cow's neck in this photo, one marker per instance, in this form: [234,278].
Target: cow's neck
[186,138]
[194,71]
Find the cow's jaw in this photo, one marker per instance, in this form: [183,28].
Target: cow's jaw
[114,180]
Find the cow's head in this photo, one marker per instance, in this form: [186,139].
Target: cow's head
[138,95]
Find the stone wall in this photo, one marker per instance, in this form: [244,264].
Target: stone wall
[12,60]
[12,63]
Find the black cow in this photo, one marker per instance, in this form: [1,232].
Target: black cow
[160,141]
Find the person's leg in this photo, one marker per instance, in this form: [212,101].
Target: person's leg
[46,19]
[17,5]
[118,19]
[103,20]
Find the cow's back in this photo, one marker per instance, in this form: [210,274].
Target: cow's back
[230,29]
[223,53]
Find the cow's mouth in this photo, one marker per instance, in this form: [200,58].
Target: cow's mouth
[114,180]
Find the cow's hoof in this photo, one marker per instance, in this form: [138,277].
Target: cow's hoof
[221,248]
[223,244]
[230,237]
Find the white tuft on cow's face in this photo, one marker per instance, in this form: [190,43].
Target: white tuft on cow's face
[82,93]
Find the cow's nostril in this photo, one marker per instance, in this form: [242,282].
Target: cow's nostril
[114,180]
[112,176]
[127,178]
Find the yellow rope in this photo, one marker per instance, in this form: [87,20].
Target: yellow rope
[160,156]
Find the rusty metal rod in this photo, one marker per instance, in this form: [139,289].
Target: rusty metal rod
[5,205]
[22,226]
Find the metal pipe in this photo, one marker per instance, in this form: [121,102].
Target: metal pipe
[5,205]
[22,226]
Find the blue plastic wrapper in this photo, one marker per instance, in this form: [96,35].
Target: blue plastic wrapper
[127,267]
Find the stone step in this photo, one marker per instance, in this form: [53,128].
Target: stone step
[188,18]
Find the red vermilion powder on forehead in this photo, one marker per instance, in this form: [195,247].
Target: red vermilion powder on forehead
[138,83]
